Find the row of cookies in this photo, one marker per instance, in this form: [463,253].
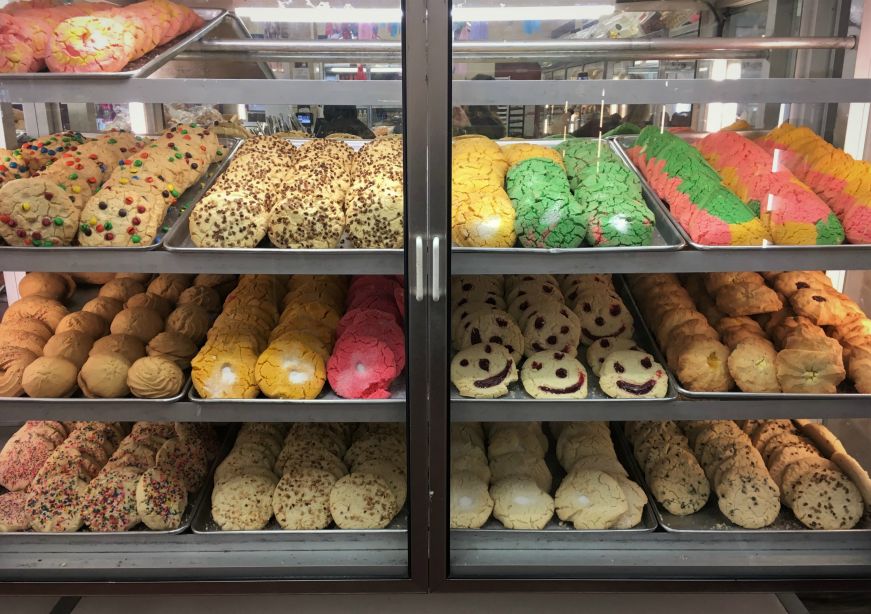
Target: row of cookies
[672,472]
[35,155]
[100,476]
[44,209]
[101,350]
[818,480]
[596,492]
[299,474]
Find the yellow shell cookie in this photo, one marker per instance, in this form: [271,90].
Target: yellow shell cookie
[290,369]
[484,220]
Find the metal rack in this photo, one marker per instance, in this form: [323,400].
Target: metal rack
[651,562]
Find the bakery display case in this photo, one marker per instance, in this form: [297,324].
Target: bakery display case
[595,374]
[558,297]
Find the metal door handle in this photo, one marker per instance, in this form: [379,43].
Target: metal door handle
[419,290]
[436,269]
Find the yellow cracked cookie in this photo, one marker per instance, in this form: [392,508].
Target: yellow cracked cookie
[290,369]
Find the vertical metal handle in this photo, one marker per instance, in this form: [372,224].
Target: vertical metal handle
[436,270]
[419,291]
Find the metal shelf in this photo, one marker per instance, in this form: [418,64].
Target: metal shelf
[469,261]
[344,261]
[179,558]
[20,410]
[529,410]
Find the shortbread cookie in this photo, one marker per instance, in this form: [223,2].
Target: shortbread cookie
[483,371]
[554,375]
[628,374]
[518,503]
[362,501]
[590,499]
[471,504]
[223,219]
[301,500]
[600,348]
[161,499]
[520,464]
[244,502]
[752,364]
[701,365]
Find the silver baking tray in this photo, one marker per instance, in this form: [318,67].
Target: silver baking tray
[143,66]
[625,142]
[666,234]
[709,519]
[559,534]
[327,396]
[643,338]
[179,237]
[846,393]
[191,195]
[195,503]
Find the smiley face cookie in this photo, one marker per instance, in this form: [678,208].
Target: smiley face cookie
[603,314]
[628,374]
[601,348]
[483,371]
[554,375]
[552,327]
[493,326]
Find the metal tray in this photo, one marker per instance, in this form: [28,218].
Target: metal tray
[643,338]
[666,234]
[327,396]
[709,520]
[195,503]
[192,194]
[179,237]
[848,393]
[624,142]
[145,65]
[559,534]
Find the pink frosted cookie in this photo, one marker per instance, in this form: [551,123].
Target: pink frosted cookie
[16,47]
[374,323]
[381,302]
[362,367]
[381,284]
[175,20]
[89,44]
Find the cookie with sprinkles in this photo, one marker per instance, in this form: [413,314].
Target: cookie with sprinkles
[38,212]
[122,217]
[13,515]
[22,457]
[110,501]
[56,504]
[161,499]
[67,460]
[186,459]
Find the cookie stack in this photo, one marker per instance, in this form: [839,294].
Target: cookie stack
[609,194]
[370,343]
[28,324]
[34,156]
[225,367]
[823,485]
[596,492]
[547,213]
[671,470]
[482,215]
[293,366]
[746,494]
[471,504]
[312,211]
[374,491]
[691,345]
[520,482]
[235,210]
[44,210]
[131,207]
[375,203]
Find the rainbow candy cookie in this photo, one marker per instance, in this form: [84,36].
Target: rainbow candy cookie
[793,213]
[841,181]
[708,210]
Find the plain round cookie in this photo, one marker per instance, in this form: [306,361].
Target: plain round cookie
[678,482]
[590,499]
[600,462]
[471,504]
[244,502]
[636,499]
[161,499]
[301,500]
[362,501]
[518,503]
[390,472]
[521,464]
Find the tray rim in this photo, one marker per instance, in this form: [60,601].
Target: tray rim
[158,61]
[100,401]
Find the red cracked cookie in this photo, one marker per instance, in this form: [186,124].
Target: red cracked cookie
[377,324]
[381,302]
[362,367]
